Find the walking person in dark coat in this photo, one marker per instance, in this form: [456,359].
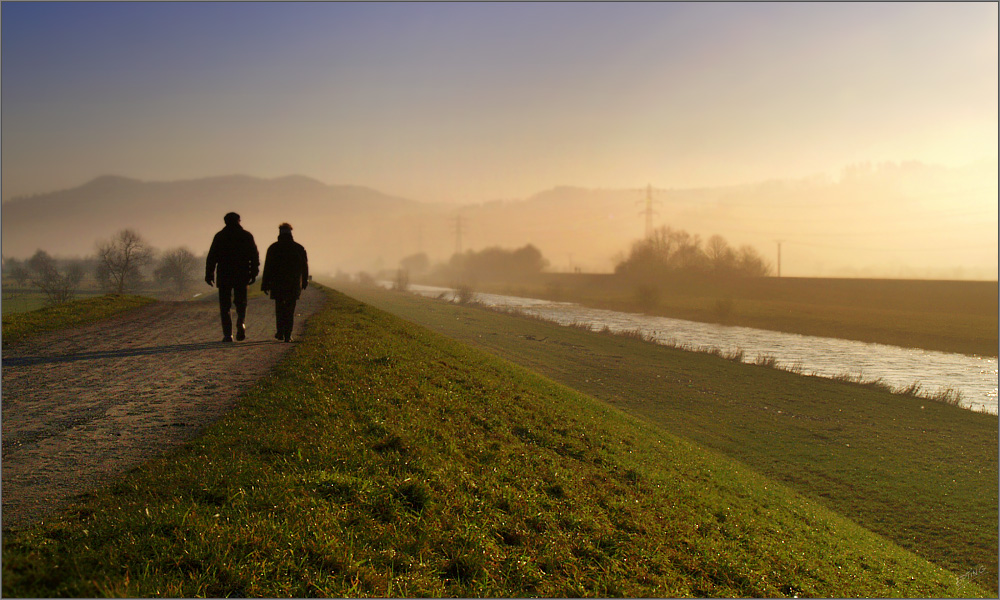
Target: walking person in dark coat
[286,274]
[233,264]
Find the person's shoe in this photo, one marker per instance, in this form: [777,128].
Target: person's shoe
[228,338]
[288,338]
[241,332]
[278,336]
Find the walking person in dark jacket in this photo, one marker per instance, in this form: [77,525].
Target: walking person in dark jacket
[233,264]
[286,274]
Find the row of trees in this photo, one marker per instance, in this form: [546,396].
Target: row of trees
[671,252]
[497,263]
[120,266]
[490,264]
[665,254]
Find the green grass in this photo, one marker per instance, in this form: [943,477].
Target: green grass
[19,300]
[381,459]
[93,305]
[22,301]
[920,472]
[18,326]
[947,316]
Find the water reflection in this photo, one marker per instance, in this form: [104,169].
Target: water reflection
[974,377]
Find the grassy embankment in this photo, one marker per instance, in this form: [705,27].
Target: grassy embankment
[20,300]
[17,326]
[383,459]
[17,301]
[920,472]
[948,316]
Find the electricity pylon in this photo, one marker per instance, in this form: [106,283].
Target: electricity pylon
[649,211]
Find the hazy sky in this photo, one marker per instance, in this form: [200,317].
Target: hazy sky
[471,102]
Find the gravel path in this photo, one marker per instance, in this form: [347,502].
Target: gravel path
[81,405]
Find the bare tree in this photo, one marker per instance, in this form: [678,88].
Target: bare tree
[752,264]
[664,250]
[120,261]
[416,263]
[402,282]
[721,257]
[44,273]
[671,252]
[177,269]
[17,270]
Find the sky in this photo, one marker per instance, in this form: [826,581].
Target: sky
[471,102]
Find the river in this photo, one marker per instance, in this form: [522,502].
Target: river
[973,378]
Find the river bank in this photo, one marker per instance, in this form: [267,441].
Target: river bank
[920,472]
[945,316]
[959,379]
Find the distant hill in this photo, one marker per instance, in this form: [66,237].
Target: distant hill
[905,220]
[331,219]
[342,227]
[902,220]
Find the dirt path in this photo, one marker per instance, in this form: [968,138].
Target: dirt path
[84,404]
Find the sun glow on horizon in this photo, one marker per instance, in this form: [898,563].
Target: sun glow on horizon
[466,103]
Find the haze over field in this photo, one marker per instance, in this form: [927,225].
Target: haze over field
[862,136]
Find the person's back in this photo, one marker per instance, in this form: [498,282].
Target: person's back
[233,256]
[286,274]
[285,267]
[232,264]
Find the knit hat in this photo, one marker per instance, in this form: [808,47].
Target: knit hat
[284,228]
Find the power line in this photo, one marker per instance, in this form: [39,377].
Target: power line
[914,216]
[897,248]
[787,198]
[842,234]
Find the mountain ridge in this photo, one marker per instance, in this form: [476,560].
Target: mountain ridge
[186,212]
[901,207]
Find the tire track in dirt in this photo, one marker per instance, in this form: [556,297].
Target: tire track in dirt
[85,404]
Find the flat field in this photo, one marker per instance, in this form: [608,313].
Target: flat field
[948,316]
[21,300]
[920,472]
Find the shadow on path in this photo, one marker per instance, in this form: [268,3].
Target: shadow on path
[127,352]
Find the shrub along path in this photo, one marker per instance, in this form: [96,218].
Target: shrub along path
[82,404]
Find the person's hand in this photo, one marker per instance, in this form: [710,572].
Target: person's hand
[264,289]
[209,280]
[305,284]
[253,279]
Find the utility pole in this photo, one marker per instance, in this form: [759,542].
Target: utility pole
[649,212]
[779,256]
[458,234]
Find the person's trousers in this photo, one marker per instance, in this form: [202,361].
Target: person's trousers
[232,295]
[284,316]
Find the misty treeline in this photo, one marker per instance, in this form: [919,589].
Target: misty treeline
[124,263]
[664,255]
[669,253]
[497,263]
[493,264]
